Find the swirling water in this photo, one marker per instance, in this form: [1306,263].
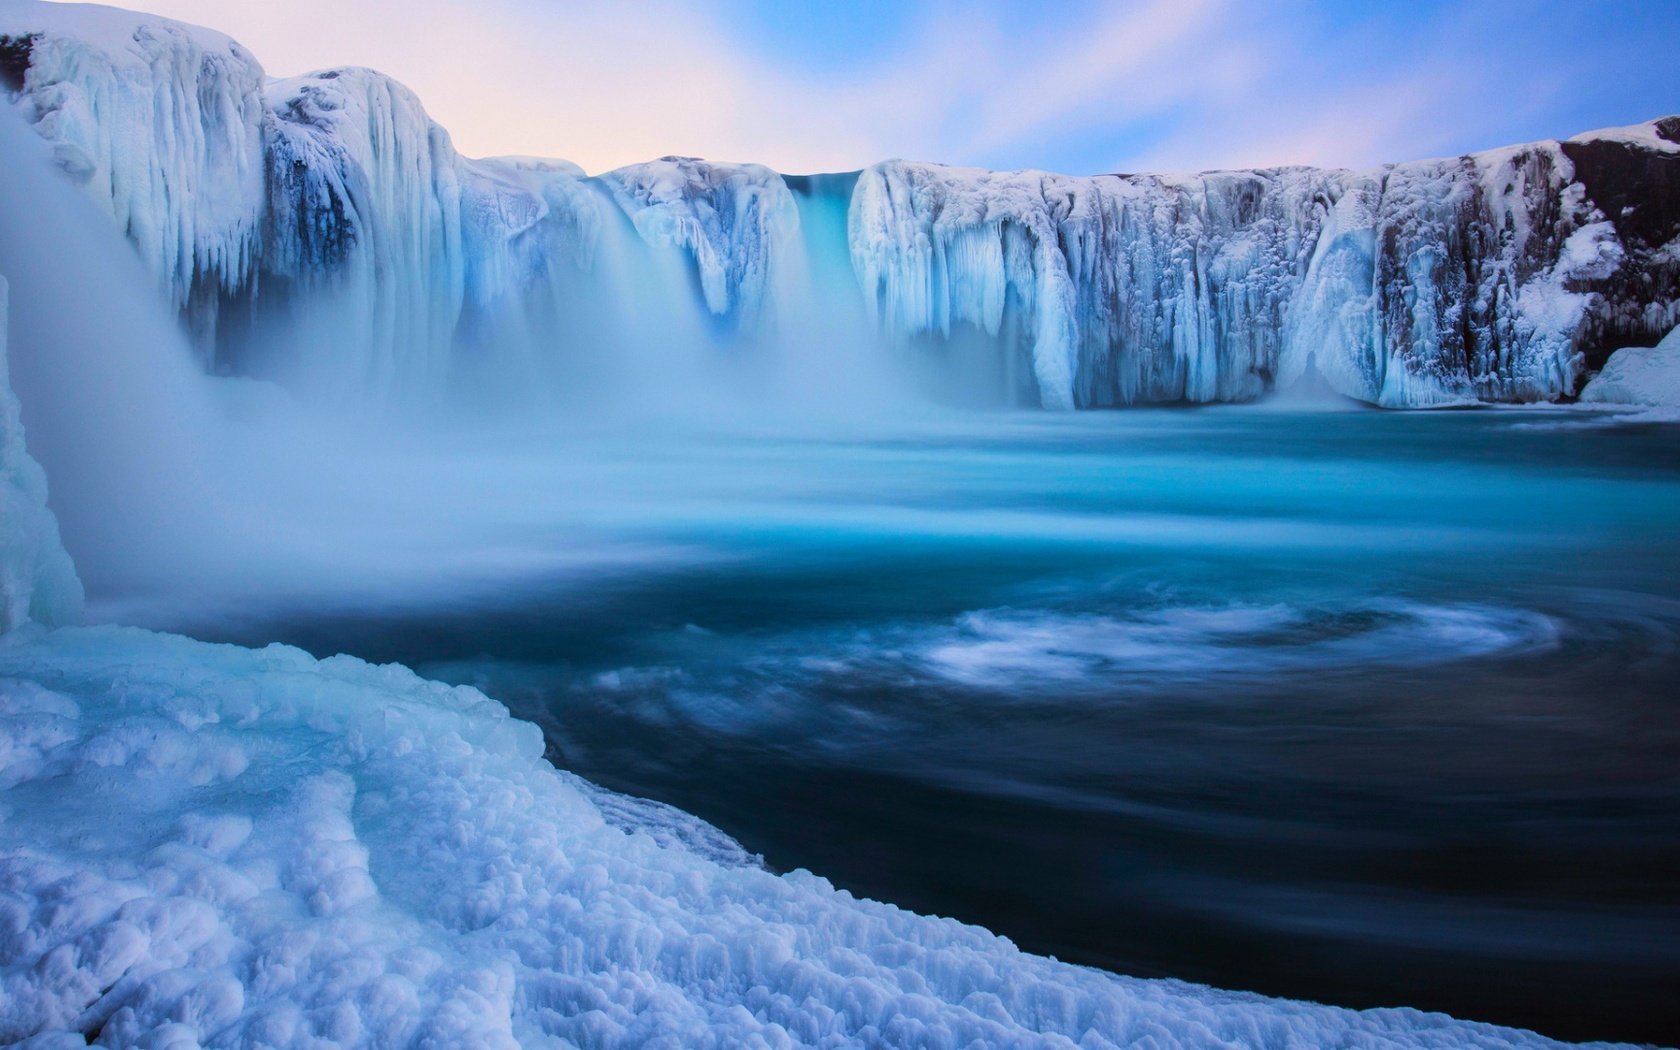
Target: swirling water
[1367,708]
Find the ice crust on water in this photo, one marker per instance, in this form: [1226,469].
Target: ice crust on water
[1640,376]
[37,581]
[334,202]
[208,845]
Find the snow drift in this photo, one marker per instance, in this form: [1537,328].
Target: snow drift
[322,229]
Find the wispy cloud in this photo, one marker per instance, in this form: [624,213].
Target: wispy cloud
[1094,86]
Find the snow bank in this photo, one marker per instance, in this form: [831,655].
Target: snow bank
[1637,375]
[37,581]
[207,845]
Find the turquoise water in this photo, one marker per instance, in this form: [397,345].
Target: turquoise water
[1362,707]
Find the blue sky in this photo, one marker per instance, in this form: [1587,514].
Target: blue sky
[1080,87]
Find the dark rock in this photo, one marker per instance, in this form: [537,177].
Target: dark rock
[14,59]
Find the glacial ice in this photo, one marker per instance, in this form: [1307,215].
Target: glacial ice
[332,202]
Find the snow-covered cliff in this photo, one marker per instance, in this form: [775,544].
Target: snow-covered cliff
[1416,284]
[37,581]
[323,229]
[738,222]
[161,122]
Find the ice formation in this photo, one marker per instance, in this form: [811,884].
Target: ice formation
[37,581]
[207,845]
[332,201]
[738,222]
[161,122]
[1640,376]
[1414,285]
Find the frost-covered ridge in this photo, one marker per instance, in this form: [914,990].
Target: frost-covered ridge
[332,206]
[213,846]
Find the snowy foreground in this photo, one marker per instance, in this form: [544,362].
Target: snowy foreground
[208,845]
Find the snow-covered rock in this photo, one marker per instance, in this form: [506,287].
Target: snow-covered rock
[1413,285]
[37,581]
[1119,289]
[1637,375]
[738,223]
[212,846]
[363,210]
[160,122]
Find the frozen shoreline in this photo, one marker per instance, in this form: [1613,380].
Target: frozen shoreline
[205,844]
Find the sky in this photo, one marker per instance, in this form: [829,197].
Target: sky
[1082,87]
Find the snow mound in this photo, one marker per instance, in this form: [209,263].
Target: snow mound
[37,580]
[1637,375]
[208,845]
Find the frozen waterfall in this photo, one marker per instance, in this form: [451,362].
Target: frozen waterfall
[322,230]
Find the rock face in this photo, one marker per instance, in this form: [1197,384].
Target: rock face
[322,229]
[37,581]
[1640,376]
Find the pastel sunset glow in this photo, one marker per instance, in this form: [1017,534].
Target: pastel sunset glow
[1096,87]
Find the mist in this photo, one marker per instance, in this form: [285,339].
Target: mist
[569,430]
